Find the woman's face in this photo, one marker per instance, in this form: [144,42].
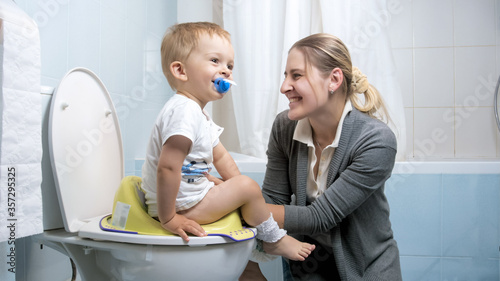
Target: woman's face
[306,93]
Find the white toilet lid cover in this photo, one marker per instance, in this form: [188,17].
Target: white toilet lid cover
[85,147]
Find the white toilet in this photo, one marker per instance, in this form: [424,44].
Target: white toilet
[86,157]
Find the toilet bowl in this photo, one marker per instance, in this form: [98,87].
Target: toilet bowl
[86,159]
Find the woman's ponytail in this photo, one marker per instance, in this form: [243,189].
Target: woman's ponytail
[372,104]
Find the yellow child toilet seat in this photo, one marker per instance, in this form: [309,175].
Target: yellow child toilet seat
[130,216]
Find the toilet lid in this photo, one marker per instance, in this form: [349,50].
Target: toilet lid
[85,147]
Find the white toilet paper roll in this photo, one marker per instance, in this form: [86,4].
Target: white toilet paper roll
[20,117]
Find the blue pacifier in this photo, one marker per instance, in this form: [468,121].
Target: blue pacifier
[222,85]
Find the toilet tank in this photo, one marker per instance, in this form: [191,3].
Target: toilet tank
[52,218]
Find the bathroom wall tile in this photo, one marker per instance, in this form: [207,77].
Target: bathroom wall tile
[150,115]
[157,97]
[53,27]
[433,77]
[433,23]
[497,76]
[135,64]
[116,7]
[403,59]
[49,81]
[497,24]
[22,5]
[473,141]
[154,81]
[497,48]
[475,76]
[433,133]
[470,216]
[469,269]
[154,68]
[129,125]
[138,163]
[160,15]
[137,134]
[137,12]
[498,142]
[416,213]
[400,27]
[142,130]
[113,49]
[420,268]
[129,163]
[409,133]
[84,35]
[153,42]
[474,22]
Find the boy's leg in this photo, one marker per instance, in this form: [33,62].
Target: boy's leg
[239,191]
[244,193]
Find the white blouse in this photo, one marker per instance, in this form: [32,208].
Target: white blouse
[303,133]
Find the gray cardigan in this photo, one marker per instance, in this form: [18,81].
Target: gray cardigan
[354,208]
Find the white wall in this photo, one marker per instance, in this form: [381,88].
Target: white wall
[447,55]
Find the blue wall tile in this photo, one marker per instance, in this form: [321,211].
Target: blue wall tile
[415,202]
[421,268]
[446,226]
[469,269]
[84,29]
[470,215]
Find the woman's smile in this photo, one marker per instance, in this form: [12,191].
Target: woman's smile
[294,99]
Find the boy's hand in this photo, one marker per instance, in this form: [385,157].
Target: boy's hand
[213,179]
[179,225]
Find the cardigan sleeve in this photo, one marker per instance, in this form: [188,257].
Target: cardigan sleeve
[276,188]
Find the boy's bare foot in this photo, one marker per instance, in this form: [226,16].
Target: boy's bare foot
[289,248]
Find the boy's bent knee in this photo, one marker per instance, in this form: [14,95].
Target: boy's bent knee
[247,183]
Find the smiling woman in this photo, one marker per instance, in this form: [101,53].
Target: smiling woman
[333,158]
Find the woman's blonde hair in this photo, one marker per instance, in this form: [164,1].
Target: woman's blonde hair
[181,39]
[327,52]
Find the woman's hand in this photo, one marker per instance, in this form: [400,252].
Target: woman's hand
[181,225]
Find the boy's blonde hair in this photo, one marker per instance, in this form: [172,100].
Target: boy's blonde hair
[181,39]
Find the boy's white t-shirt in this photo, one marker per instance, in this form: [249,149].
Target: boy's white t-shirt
[182,116]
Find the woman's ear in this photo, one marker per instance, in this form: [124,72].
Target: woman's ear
[336,79]
[178,71]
